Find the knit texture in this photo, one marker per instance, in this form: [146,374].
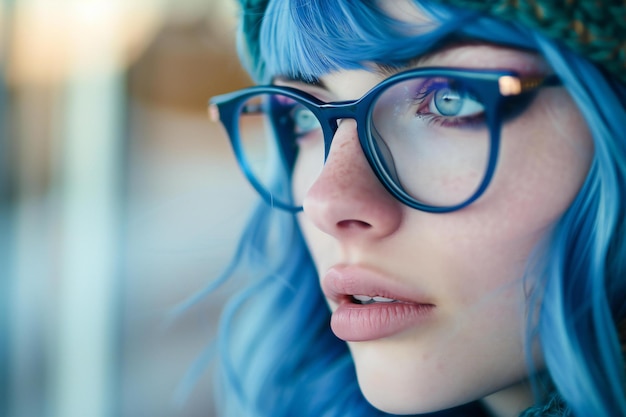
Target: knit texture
[595,29]
[554,407]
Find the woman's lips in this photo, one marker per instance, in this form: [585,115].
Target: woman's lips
[353,321]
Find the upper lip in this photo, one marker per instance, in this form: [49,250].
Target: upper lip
[342,281]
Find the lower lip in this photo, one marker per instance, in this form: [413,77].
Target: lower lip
[361,322]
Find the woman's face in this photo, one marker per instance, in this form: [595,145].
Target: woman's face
[456,331]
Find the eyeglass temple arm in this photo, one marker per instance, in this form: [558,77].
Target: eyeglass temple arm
[214,111]
[512,86]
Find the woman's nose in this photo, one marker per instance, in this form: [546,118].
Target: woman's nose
[347,200]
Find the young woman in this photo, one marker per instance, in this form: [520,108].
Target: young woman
[442,224]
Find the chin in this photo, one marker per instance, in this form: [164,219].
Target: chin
[399,389]
[410,381]
[403,401]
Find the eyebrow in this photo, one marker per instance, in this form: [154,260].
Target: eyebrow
[382,69]
[314,82]
[387,70]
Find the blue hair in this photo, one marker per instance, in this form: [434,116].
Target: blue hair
[585,282]
[277,354]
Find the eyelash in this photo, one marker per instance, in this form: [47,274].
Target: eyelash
[458,122]
[429,88]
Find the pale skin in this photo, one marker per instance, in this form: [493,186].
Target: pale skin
[470,264]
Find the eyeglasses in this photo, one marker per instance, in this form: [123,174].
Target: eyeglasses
[431,135]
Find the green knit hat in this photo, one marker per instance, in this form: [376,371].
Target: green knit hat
[595,29]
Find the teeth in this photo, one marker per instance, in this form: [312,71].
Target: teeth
[383,300]
[365,299]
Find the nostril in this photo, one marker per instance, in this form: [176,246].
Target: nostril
[353,224]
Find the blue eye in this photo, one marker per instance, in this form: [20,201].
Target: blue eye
[304,120]
[454,103]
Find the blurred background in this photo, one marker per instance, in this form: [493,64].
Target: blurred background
[119,200]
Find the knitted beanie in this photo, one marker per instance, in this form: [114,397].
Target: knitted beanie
[595,29]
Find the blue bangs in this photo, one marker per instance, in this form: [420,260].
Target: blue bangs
[304,40]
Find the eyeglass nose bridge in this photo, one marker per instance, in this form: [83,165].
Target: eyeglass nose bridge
[332,113]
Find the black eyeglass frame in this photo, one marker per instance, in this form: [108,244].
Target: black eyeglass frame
[491,87]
